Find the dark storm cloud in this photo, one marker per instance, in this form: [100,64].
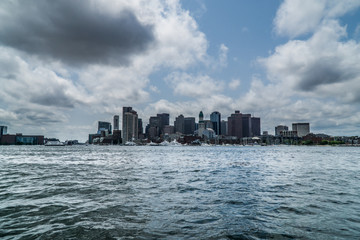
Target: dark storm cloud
[72,31]
[58,99]
[323,73]
[38,116]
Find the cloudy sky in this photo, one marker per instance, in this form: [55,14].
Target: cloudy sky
[64,65]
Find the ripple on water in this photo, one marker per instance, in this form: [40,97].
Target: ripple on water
[117,192]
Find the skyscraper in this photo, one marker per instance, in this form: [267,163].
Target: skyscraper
[246,125]
[235,125]
[189,125]
[224,127]
[255,126]
[130,124]
[153,128]
[116,122]
[164,121]
[140,127]
[215,118]
[179,124]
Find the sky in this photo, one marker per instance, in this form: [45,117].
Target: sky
[64,65]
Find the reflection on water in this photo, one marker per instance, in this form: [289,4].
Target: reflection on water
[117,192]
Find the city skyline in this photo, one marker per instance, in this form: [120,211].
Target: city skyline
[67,65]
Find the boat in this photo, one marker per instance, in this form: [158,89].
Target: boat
[54,143]
[175,143]
[130,143]
[164,143]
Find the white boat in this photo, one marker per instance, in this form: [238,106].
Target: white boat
[175,143]
[152,144]
[129,143]
[54,143]
[164,143]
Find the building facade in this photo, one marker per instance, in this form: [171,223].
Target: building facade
[104,126]
[189,125]
[19,139]
[279,129]
[224,127]
[116,122]
[179,124]
[255,126]
[215,118]
[130,125]
[246,125]
[235,125]
[302,129]
[164,121]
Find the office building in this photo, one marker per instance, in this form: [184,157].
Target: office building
[246,125]
[104,126]
[255,126]
[224,127]
[140,127]
[189,125]
[302,129]
[125,110]
[130,125]
[179,124]
[235,125]
[153,129]
[116,122]
[163,121]
[279,129]
[168,129]
[3,130]
[19,139]
[215,118]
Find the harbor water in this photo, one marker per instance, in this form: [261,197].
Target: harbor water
[179,192]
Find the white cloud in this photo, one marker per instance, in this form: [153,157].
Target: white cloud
[323,65]
[199,86]
[297,17]
[223,52]
[45,86]
[234,84]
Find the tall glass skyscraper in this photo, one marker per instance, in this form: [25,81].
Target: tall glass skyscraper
[215,118]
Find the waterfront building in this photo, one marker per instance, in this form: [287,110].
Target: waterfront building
[140,127]
[104,126]
[155,126]
[92,137]
[279,129]
[235,125]
[3,130]
[289,134]
[19,139]
[302,129]
[179,124]
[163,121]
[215,118]
[246,125]
[130,125]
[168,129]
[224,128]
[255,126]
[116,122]
[189,125]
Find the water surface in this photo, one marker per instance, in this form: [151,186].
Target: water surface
[118,192]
